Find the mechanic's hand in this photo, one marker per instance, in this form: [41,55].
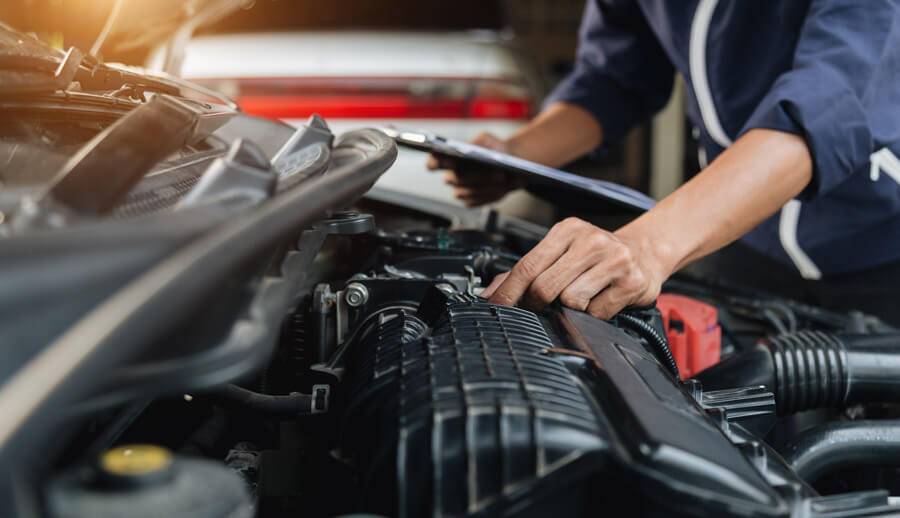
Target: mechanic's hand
[587,268]
[481,186]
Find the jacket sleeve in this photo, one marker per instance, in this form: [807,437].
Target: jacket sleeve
[830,95]
[622,75]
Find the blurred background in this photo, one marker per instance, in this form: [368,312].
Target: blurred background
[454,68]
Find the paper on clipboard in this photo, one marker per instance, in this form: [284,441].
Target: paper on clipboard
[607,191]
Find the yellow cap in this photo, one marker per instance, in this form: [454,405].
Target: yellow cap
[136,460]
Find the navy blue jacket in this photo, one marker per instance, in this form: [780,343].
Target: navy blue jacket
[828,70]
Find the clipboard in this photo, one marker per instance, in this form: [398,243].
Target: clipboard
[600,189]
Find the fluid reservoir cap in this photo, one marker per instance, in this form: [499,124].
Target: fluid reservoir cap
[139,461]
[148,482]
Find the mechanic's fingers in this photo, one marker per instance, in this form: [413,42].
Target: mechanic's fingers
[492,287]
[489,141]
[581,291]
[584,253]
[609,302]
[485,178]
[439,163]
[478,201]
[627,288]
[550,284]
[531,266]
[476,193]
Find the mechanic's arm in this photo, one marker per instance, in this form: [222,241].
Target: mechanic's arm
[601,272]
[560,134]
[621,77]
[826,109]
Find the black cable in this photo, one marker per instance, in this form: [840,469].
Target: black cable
[789,314]
[776,323]
[290,405]
[659,343]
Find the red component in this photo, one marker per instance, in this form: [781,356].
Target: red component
[343,107]
[382,107]
[378,97]
[693,331]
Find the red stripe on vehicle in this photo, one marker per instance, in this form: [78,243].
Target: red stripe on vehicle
[382,107]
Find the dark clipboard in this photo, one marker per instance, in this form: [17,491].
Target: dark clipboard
[606,191]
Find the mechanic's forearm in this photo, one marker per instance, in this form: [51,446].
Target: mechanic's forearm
[559,135]
[746,184]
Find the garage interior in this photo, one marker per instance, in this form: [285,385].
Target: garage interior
[655,158]
[372,259]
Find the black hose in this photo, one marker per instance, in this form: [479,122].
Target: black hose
[291,405]
[811,369]
[659,343]
[847,444]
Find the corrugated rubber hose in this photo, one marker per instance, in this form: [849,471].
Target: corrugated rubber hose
[658,342]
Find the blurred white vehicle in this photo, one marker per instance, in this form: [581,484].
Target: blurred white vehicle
[454,84]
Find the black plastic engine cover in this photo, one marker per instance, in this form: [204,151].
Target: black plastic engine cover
[482,411]
[476,417]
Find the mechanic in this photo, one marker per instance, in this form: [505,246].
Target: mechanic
[799,108]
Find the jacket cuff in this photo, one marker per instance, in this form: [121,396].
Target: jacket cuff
[603,98]
[829,117]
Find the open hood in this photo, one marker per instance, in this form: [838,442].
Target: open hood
[134,24]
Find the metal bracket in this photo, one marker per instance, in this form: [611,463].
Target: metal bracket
[321,395]
[315,131]
[244,175]
[752,407]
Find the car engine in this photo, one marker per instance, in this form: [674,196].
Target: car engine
[228,321]
[396,391]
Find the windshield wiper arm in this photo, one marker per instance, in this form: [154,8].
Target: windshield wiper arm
[94,75]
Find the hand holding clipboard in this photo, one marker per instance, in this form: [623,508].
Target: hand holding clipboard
[534,172]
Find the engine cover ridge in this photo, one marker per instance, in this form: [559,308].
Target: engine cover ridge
[483,419]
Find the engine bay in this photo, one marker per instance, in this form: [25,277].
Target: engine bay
[229,321]
[394,390]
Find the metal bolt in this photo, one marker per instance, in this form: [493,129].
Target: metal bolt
[356,295]
[446,288]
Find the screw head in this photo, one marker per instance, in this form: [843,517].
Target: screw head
[356,295]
